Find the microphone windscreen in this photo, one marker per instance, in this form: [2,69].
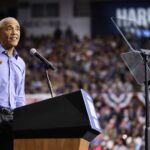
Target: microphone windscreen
[32,51]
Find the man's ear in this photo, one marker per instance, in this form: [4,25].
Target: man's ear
[0,36]
[1,26]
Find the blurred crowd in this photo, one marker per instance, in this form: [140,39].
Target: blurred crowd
[95,65]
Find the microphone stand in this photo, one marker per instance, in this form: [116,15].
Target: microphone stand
[48,81]
[147,127]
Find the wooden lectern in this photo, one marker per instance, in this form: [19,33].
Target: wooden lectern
[66,122]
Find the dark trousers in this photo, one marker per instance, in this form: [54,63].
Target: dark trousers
[6,134]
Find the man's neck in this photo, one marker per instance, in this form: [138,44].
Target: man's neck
[10,51]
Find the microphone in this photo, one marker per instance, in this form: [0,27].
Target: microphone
[48,65]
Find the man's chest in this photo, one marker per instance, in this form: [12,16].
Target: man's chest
[10,70]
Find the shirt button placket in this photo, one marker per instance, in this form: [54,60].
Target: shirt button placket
[9,84]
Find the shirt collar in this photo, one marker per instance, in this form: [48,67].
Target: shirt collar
[3,51]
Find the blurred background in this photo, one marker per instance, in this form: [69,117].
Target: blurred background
[79,38]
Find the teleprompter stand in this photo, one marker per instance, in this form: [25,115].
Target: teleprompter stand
[137,62]
[147,127]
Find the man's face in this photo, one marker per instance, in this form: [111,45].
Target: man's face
[10,33]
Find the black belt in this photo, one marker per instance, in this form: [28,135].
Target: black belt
[6,110]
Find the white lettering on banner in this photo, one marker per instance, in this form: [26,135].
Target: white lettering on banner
[148,17]
[142,20]
[121,13]
[132,14]
[140,15]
